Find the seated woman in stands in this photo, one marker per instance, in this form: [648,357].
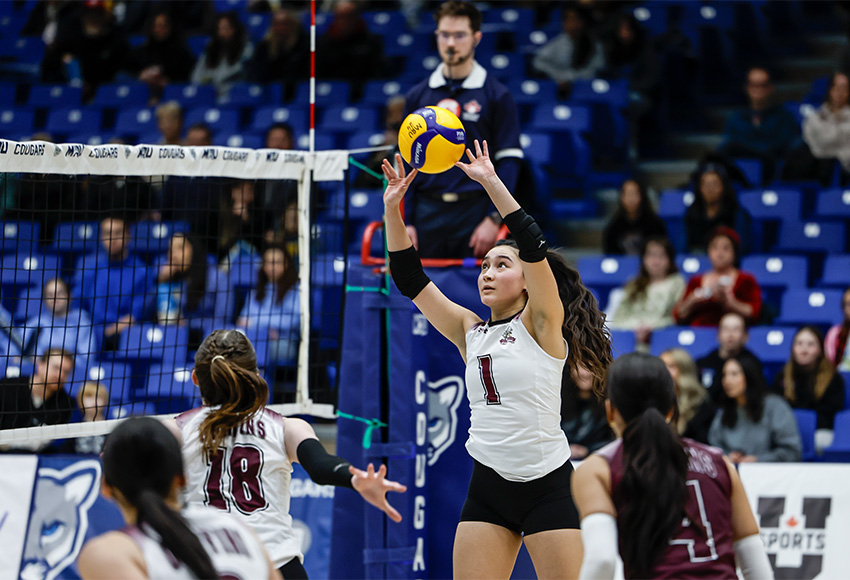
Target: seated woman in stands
[715,204]
[723,289]
[582,414]
[696,410]
[649,298]
[274,304]
[633,223]
[753,425]
[836,343]
[809,381]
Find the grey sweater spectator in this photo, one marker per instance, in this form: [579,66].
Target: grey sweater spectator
[573,54]
[164,57]
[225,59]
[752,425]
[348,51]
[283,55]
[827,130]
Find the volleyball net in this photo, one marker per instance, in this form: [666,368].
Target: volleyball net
[117,260]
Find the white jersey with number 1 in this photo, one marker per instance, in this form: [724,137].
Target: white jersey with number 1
[248,478]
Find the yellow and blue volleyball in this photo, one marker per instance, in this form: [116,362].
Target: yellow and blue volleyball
[432,139]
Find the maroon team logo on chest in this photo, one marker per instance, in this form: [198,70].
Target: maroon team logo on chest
[507,337]
[471,111]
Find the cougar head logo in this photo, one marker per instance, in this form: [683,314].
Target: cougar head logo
[443,399]
[59,518]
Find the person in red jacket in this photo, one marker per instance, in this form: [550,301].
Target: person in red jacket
[722,290]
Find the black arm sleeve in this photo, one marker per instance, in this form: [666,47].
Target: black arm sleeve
[528,236]
[407,272]
[323,468]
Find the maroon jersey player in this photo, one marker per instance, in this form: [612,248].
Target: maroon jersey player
[671,507]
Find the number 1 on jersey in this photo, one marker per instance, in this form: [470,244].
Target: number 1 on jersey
[485,369]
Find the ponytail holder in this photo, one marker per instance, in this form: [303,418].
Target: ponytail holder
[215,357]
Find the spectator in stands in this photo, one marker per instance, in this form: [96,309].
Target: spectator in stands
[169,121]
[765,130]
[97,48]
[274,304]
[393,117]
[582,414]
[449,215]
[649,298]
[92,401]
[753,425]
[40,399]
[696,410]
[59,326]
[573,54]
[826,137]
[52,20]
[226,56]
[279,196]
[163,58]
[188,288]
[347,50]
[283,55]
[243,223]
[633,222]
[723,289]
[732,338]
[809,380]
[198,135]
[836,343]
[715,204]
[112,284]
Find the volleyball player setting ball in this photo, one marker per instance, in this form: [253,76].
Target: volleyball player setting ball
[239,455]
[540,317]
[143,474]
[671,507]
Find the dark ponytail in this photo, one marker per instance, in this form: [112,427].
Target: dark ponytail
[226,367]
[141,459]
[653,490]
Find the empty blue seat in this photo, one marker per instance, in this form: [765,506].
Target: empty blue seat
[170,388]
[136,122]
[297,117]
[16,123]
[819,307]
[365,139]
[697,341]
[551,117]
[153,342]
[622,342]
[18,237]
[55,96]
[8,92]
[840,448]
[812,236]
[76,237]
[531,92]
[520,20]
[653,17]
[328,94]
[774,271]
[89,138]
[250,141]
[115,376]
[259,337]
[366,205]
[608,101]
[218,120]
[28,269]
[197,43]
[751,168]
[385,23]
[772,204]
[251,95]
[147,237]
[506,66]
[243,272]
[836,271]
[806,423]
[122,95]
[322,142]
[190,95]
[409,45]
[833,204]
[257,25]
[28,304]
[377,93]
[349,119]
[67,121]
[692,265]
[771,344]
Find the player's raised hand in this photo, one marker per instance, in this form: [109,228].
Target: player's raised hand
[479,168]
[374,485]
[397,181]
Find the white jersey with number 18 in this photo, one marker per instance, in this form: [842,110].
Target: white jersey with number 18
[249,477]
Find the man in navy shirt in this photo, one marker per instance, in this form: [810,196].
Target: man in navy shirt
[449,215]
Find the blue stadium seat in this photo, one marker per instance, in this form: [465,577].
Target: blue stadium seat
[148,238]
[153,342]
[751,168]
[608,101]
[328,94]
[197,43]
[28,269]
[134,409]
[697,341]
[322,142]
[768,208]
[812,236]
[819,307]
[115,376]
[89,138]
[218,120]
[134,94]
[799,110]
[410,45]
[833,204]
[528,93]
[817,91]
[506,66]
[836,271]
[66,121]
[8,92]
[775,272]
[537,149]
[252,95]
[297,117]
[345,120]
[55,96]
[771,344]
[364,139]
[257,25]
[840,448]
[17,237]
[24,50]
[170,388]
[550,117]
[259,337]
[653,17]
[250,141]
[136,122]
[418,67]
[807,421]
[243,272]
[622,342]
[604,273]
[365,205]
[691,265]
[28,304]
[377,93]
[520,20]
[190,95]
[76,237]
[672,207]
[385,23]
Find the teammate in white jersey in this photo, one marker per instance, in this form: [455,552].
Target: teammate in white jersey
[239,455]
[143,473]
[539,313]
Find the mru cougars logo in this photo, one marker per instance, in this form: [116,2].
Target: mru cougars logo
[793,530]
[444,396]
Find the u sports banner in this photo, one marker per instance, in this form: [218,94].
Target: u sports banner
[51,505]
